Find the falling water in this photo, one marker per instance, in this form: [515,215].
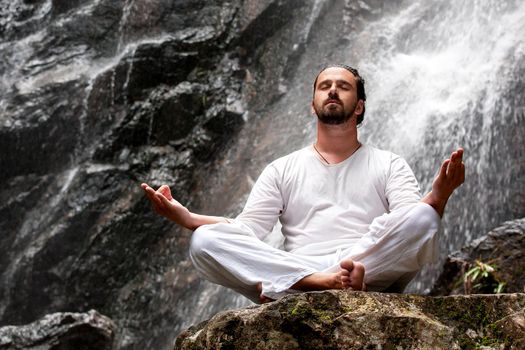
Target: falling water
[123,21]
[439,75]
[435,77]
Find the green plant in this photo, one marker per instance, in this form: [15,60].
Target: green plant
[482,278]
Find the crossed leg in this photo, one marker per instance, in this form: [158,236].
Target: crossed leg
[350,275]
[397,244]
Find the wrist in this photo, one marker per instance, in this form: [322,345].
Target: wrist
[193,221]
[435,202]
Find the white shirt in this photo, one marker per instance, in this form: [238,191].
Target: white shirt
[325,207]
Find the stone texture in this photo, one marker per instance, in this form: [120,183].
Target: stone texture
[97,97]
[100,95]
[502,248]
[358,320]
[79,331]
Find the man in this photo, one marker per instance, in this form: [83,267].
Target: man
[352,215]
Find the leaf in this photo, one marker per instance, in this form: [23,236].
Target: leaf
[500,288]
[471,271]
[489,268]
[475,275]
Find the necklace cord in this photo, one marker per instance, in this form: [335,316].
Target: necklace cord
[327,162]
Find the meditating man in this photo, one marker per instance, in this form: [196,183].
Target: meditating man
[352,215]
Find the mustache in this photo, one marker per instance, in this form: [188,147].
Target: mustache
[332,100]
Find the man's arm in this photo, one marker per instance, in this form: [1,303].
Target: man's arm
[451,176]
[164,204]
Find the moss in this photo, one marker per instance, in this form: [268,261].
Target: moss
[303,310]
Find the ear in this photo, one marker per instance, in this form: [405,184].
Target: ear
[359,107]
[312,109]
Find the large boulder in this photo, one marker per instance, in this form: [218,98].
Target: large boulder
[79,331]
[358,320]
[503,248]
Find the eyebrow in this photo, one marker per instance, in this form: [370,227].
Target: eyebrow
[339,81]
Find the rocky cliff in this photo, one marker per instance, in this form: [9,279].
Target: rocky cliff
[97,96]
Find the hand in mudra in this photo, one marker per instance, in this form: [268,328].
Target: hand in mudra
[164,204]
[451,175]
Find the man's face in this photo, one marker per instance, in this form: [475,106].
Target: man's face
[335,97]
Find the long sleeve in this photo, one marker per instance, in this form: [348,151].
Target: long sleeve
[264,204]
[402,187]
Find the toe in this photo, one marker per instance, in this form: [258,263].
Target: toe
[345,281]
[347,264]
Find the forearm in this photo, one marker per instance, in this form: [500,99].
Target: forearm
[197,220]
[435,202]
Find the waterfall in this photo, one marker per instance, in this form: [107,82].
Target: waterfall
[101,95]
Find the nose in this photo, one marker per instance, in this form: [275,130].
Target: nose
[332,93]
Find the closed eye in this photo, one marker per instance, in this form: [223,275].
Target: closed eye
[345,86]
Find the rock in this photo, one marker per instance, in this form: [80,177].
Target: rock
[503,248]
[106,95]
[99,96]
[79,331]
[358,320]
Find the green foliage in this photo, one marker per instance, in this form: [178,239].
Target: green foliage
[482,278]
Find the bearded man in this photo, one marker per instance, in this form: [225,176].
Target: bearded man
[352,215]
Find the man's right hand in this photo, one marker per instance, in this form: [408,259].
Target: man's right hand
[164,204]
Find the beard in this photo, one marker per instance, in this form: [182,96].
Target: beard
[334,116]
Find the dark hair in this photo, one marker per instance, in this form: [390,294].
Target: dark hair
[361,95]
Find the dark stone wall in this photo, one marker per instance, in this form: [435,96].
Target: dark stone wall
[110,94]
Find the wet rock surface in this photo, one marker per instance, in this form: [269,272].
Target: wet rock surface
[98,96]
[503,248]
[80,331]
[358,320]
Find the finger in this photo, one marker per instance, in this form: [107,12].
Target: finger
[145,187]
[454,157]
[460,153]
[165,190]
[148,189]
[458,176]
[443,169]
[459,156]
[462,173]
[452,168]
[165,203]
[150,193]
[162,198]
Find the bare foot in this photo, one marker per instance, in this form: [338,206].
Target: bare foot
[351,275]
[357,274]
[263,299]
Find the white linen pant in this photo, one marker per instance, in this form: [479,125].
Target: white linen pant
[395,247]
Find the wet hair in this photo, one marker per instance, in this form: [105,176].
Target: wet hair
[360,82]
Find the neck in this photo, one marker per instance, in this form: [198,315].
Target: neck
[337,142]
